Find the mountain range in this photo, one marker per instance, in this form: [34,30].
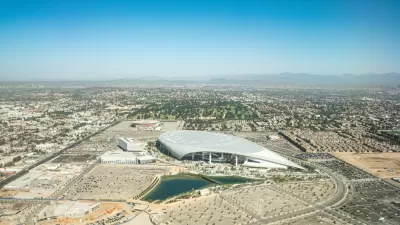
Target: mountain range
[269,80]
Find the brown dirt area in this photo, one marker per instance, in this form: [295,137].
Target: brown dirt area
[8,193]
[382,165]
[105,210]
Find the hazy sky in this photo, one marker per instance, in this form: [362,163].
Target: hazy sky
[69,39]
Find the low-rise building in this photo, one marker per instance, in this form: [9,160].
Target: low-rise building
[118,157]
[131,145]
[145,159]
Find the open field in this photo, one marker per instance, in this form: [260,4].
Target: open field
[107,211]
[382,165]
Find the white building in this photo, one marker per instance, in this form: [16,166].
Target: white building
[44,146]
[274,137]
[52,166]
[219,148]
[131,145]
[118,157]
[145,159]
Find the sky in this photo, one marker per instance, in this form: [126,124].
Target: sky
[114,39]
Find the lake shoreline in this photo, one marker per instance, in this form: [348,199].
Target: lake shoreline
[181,183]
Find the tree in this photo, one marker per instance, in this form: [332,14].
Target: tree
[16,159]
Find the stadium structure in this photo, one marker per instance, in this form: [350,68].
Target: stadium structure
[146,124]
[219,148]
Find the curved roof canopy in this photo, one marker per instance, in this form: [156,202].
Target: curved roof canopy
[181,143]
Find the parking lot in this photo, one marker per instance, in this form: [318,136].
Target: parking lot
[345,169]
[68,158]
[263,201]
[118,182]
[206,210]
[261,138]
[314,156]
[314,219]
[374,202]
[317,191]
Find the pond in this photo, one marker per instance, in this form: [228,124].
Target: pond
[177,184]
[230,179]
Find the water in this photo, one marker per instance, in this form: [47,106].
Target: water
[230,179]
[177,184]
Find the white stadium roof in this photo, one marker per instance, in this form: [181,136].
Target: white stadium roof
[184,142]
[145,121]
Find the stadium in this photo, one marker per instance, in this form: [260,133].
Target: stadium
[219,148]
[146,124]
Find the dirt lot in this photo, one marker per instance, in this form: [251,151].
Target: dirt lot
[382,165]
[105,210]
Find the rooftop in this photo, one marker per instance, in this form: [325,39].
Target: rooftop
[184,142]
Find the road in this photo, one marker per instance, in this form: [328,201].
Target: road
[52,156]
[339,198]
[340,195]
[30,218]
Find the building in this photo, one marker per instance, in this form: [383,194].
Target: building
[118,157]
[44,146]
[146,124]
[130,145]
[52,166]
[145,159]
[215,147]
[274,137]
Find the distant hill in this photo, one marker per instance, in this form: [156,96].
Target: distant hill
[304,79]
[271,80]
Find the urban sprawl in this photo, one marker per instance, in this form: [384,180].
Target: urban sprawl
[91,155]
